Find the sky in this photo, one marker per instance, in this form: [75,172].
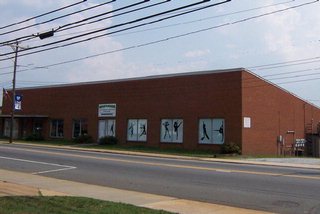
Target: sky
[278,40]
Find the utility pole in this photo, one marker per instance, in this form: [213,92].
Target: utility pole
[13,89]
[15,47]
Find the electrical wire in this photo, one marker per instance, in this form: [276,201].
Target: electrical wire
[178,36]
[112,16]
[286,63]
[41,15]
[157,28]
[129,28]
[282,78]
[118,25]
[51,20]
[207,18]
[102,14]
[26,38]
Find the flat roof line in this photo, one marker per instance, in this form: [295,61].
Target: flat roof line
[136,78]
[283,89]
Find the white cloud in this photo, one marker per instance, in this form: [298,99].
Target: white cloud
[2,2]
[197,53]
[43,4]
[286,35]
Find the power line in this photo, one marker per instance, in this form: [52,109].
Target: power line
[286,63]
[296,76]
[178,36]
[119,25]
[253,80]
[41,15]
[61,28]
[177,24]
[51,20]
[227,14]
[70,25]
[210,17]
[6,67]
[109,12]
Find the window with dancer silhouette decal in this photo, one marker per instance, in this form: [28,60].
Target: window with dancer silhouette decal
[107,128]
[137,130]
[211,131]
[172,130]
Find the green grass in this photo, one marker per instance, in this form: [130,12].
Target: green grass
[67,205]
[145,149]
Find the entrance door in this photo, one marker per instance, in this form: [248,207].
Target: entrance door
[107,128]
[102,128]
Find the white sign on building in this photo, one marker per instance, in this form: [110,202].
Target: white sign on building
[247,122]
[107,110]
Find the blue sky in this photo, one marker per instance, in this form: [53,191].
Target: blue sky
[244,33]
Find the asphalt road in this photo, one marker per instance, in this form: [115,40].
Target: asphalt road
[274,189]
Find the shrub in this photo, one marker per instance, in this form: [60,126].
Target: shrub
[83,139]
[34,137]
[229,148]
[108,140]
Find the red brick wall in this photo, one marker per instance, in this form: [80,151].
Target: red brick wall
[273,112]
[189,97]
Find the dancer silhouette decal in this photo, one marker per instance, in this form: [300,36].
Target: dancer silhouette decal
[137,130]
[220,133]
[204,132]
[176,126]
[131,129]
[167,131]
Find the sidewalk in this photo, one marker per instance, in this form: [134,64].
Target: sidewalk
[18,184]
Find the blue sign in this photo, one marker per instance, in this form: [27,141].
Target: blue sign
[17,102]
[18,98]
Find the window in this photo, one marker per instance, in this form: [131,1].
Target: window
[171,130]
[107,128]
[37,126]
[137,130]
[56,128]
[7,127]
[211,131]
[80,127]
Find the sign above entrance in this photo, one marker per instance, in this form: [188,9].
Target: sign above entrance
[107,110]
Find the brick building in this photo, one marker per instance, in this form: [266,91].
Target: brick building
[198,110]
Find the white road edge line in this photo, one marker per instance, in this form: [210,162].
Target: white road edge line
[64,167]
[54,170]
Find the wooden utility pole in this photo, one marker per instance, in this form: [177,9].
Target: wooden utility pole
[15,47]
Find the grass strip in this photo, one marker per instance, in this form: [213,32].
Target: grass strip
[67,205]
